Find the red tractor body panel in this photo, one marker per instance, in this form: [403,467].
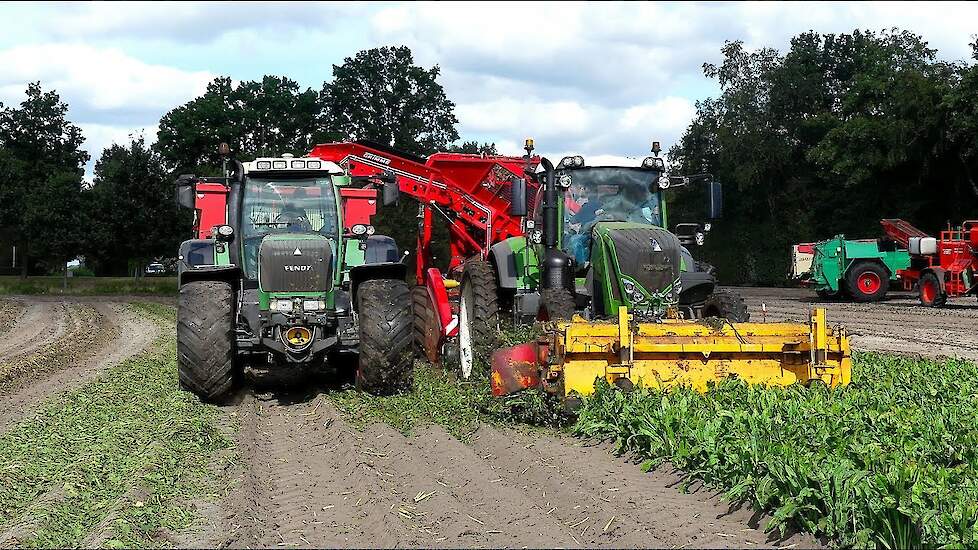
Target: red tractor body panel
[210,209]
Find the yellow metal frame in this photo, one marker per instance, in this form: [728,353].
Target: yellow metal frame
[675,352]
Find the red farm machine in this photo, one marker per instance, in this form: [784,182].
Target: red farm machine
[939,267]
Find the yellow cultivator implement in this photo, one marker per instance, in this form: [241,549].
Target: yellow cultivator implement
[571,356]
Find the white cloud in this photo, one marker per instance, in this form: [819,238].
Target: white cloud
[98,80]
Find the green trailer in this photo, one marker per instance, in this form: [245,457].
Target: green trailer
[859,269]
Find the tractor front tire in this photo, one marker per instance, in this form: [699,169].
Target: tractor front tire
[205,338]
[556,304]
[726,305]
[867,282]
[478,329]
[931,293]
[386,364]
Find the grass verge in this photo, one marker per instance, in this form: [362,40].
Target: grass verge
[125,454]
[889,461]
[90,286]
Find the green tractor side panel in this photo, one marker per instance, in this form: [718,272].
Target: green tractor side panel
[834,257]
[527,260]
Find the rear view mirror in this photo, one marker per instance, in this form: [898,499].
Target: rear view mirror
[714,205]
[392,191]
[185,195]
[517,205]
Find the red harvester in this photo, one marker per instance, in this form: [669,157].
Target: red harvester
[939,267]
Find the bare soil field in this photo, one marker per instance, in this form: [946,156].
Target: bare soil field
[898,325]
[305,474]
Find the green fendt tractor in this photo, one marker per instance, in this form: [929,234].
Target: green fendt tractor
[595,240]
[285,275]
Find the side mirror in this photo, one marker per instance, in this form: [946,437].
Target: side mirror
[185,195]
[517,205]
[714,206]
[392,191]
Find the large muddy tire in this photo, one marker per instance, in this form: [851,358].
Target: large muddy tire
[556,304]
[386,364]
[726,305]
[427,333]
[931,293]
[478,314]
[867,282]
[205,338]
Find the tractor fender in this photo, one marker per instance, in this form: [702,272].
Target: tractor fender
[696,286]
[368,272]
[876,261]
[196,263]
[503,258]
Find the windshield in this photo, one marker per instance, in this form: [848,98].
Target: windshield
[607,193]
[285,206]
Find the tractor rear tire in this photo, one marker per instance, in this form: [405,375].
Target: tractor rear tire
[931,293]
[426,330]
[478,314]
[386,364]
[556,304]
[867,282]
[205,338]
[726,305]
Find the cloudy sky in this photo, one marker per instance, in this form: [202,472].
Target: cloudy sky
[593,78]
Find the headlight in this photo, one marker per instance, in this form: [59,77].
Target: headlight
[359,229]
[664,183]
[298,164]
[264,164]
[313,305]
[225,232]
[314,164]
[628,285]
[700,238]
[578,161]
[371,230]
[279,164]
[282,306]
[653,162]
[707,226]
[565,181]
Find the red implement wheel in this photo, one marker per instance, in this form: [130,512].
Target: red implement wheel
[931,293]
[867,282]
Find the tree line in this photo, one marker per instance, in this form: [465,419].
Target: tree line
[827,137]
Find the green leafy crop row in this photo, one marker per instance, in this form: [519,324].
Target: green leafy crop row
[889,461]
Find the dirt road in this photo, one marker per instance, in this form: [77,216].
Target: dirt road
[311,479]
[899,324]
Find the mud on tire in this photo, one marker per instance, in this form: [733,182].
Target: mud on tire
[205,338]
[426,331]
[727,305]
[386,364]
[556,304]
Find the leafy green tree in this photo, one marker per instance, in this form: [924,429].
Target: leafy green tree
[381,95]
[131,217]
[829,137]
[256,118]
[473,148]
[41,164]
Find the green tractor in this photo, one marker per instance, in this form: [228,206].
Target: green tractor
[286,276]
[858,269]
[595,239]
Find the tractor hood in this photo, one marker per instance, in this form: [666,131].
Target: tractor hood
[643,263]
[295,262]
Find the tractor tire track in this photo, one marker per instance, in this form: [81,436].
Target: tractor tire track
[308,478]
[897,325]
[41,324]
[89,340]
[10,312]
